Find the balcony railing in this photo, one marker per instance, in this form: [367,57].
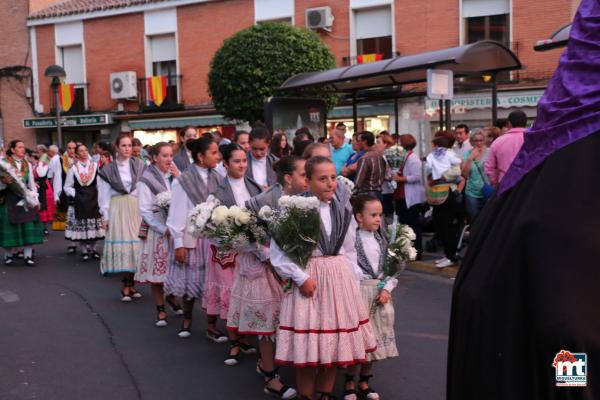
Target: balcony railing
[172,97]
[79,105]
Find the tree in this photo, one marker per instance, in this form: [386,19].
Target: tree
[250,65]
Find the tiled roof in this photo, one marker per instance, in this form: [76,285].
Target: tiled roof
[72,7]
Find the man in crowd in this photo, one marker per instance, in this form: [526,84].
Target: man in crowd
[505,148]
[371,167]
[183,158]
[340,151]
[53,161]
[462,144]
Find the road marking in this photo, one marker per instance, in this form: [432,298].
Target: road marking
[9,297]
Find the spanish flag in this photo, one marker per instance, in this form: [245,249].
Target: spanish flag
[369,58]
[66,95]
[157,89]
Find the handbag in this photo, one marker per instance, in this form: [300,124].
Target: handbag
[399,193]
[487,190]
[437,193]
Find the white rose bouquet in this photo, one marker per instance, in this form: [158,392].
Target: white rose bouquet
[232,229]
[295,227]
[163,202]
[30,197]
[394,156]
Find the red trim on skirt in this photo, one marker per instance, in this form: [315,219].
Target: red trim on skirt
[327,365]
[291,328]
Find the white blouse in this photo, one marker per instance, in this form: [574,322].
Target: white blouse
[240,191]
[373,253]
[180,207]
[56,169]
[147,205]
[41,169]
[31,180]
[106,192]
[259,171]
[70,179]
[286,268]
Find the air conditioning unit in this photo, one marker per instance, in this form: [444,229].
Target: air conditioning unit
[319,18]
[123,85]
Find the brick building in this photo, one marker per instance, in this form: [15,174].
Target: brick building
[95,39]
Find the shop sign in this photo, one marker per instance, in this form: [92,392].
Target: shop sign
[68,121]
[505,100]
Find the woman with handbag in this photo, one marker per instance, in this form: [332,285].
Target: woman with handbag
[477,190]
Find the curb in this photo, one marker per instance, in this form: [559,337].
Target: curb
[429,268]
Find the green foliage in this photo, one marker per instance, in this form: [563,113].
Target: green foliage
[254,62]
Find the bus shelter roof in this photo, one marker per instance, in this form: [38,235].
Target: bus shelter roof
[560,38]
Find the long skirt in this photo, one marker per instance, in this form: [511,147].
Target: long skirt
[47,215]
[330,328]
[122,246]
[255,298]
[83,230]
[186,280]
[382,322]
[217,286]
[154,259]
[17,235]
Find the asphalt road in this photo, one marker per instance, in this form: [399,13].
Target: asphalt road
[65,335]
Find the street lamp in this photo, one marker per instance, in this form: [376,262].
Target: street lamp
[56,72]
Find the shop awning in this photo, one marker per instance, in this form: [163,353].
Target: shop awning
[171,123]
[484,57]
[560,38]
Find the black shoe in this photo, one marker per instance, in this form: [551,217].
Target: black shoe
[185,331]
[233,359]
[95,255]
[29,261]
[71,250]
[161,322]
[85,257]
[20,255]
[8,260]
[46,233]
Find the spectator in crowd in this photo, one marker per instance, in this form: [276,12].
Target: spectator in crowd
[304,134]
[388,187]
[380,138]
[472,171]
[42,153]
[105,159]
[505,148]
[443,170]
[300,145]
[316,149]
[340,151]
[183,157]
[490,134]
[137,150]
[502,124]
[410,194]
[242,139]
[371,167]
[349,169]
[279,146]
[462,145]
[340,126]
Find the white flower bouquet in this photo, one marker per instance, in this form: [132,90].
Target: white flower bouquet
[295,227]
[394,156]
[30,197]
[232,229]
[163,202]
[342,180]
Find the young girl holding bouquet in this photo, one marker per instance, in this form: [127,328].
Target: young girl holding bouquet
[371,249]
[185,277]
[323,324]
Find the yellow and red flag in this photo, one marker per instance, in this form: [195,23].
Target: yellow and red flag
[369,58]
[157,89]
[66,95]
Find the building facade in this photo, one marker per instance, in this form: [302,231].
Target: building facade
[110,48]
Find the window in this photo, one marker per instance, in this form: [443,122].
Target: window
[490,27]
[164,63]
[373,32]
[71,59]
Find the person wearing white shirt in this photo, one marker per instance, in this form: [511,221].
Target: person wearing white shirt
[323,321]
[117,198]
[189,255]
[376,289]
[20,227]
[152,268]
[84,222]
[59,176]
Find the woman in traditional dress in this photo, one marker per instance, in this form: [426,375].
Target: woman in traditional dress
[118,205]
[61,167]
[185,277]
[319,332]
[236,189]
[154,259]
[45,194]
[84,221]
[19,226]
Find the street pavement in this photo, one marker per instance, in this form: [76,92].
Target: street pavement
[65,335]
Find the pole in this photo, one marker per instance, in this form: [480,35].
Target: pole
[354,112]
[57,105]
[396,123]
[494,99]
[441,105]
[448,114]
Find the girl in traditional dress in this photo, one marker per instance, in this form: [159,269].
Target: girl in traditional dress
[260,162]
[19,227]
[371,249]
[84,221]
[118,205]
[185,277]
[323,322]
[45,194]
[154,260]
[65,162]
